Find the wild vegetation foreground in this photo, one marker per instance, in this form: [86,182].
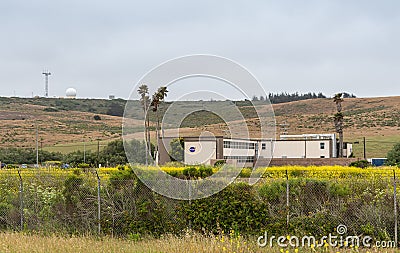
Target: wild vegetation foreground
[22,243]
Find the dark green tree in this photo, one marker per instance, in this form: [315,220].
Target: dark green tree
[177,151]
[393,156]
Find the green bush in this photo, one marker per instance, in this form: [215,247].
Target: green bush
[234,208]
[339,190]
[273,191]
[205,171]
[191,173]
[219,163]
[83,166]
[360,164]
[245,173]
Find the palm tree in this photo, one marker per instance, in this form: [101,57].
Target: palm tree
[145,101]
[156,100]
[338,120]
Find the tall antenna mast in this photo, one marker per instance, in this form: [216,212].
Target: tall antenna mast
[46,74]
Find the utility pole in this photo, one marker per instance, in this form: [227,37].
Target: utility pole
[84,152]
[98,152]
[365,154]
[37,147]
[46,74]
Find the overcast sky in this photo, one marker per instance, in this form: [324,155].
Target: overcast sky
[105,47]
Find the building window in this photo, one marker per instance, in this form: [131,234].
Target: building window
[263,146]
[238,145]
[227,144]
[322,145]
[241,159]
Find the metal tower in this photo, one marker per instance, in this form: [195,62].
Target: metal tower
[46,74]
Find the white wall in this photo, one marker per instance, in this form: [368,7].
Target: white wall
[297,149]
[204,151]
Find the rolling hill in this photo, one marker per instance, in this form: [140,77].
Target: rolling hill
[65,125]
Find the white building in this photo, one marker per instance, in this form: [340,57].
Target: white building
[203,150]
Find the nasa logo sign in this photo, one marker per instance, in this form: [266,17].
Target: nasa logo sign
[192,149]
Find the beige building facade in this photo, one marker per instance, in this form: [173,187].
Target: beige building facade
[204,150]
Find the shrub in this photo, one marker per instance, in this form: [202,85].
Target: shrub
[245,172]
[83,166]
[360,164]
[234,208]
[219,163]
[191,172]
[205,171]
[273,191]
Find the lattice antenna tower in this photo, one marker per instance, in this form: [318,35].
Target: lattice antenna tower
[46,74]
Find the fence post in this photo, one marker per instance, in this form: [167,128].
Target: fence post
[287,200]
[98,203]
[21,201]
[395,207]
[190,201]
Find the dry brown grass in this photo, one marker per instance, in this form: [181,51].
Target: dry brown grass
[18,129]
[17,242]
[22,243]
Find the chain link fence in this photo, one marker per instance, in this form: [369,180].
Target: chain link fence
[291,202]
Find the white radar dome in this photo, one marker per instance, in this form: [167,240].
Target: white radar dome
[70,93]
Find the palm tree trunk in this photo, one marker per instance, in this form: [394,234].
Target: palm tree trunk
[148,137]
[158,137]
[145,137]
[341,144]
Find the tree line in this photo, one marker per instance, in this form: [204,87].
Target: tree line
[113,154]
[284,97]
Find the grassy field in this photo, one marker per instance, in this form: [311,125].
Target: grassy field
[376,146]
[24,243]
[77,146]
